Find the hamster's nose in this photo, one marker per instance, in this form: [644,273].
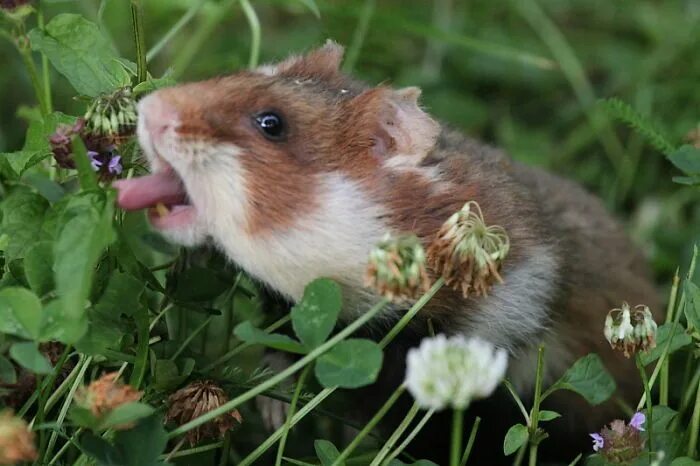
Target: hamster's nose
[157,115]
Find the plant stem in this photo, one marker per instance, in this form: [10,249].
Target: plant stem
[694,425]
[45,65]
[290,414]
[470,442]
[139,41]
[370,425]
[457,435]
[191,337]
[519,457]
[518,401]
[410,314]
[663,382]
[26,54]
[647,391]
[306,409]
[271,328]
[254,24]
[274,380]
[411,435]
[46,387]
[389,444]
[358,37]
[535,413]
[172,32]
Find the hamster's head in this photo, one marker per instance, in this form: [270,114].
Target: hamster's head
[279,166]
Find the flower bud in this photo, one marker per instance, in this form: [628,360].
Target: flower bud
[468,253]
[630,330]
[16,440]
[105,394]
[396,268]
[112,115]
[196,399]
[61,146]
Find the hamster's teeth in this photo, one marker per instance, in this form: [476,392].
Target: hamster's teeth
[162,209]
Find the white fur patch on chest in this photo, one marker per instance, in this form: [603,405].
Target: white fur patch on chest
[332,241]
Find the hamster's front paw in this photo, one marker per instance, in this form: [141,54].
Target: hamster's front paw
[273,412]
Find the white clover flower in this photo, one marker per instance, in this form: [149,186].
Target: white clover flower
[453,371]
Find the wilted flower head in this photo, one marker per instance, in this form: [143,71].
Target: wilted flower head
[113,114]
[12,4]
[467,252]
[16,440]
[196,399]
[620,443]
[105,394]
[397,268]
[61,143]
[630,330]
[453,371]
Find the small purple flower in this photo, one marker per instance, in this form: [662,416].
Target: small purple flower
[115,166]
[637,420]
[94,161]
[598,441]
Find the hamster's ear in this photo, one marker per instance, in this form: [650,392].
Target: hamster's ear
[322,63]
[401,132]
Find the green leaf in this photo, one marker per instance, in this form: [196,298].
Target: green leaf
[20,312]
[79,51]
[20,160]
[515,438]
[38,264]
[314,317]
[589,378]
[666,438]
[548,415]
[85,231]
[692,306]
[396,462]
[22,218]
[126,414]
[686,159]
[86,174]
[326,452]
[197,284]
[143,444]
[27,355]
[687,180]
[247,332]
[685,461]
[311,5]
[153,84]
[663,333]
[8,375]
[99,449]
[350,364]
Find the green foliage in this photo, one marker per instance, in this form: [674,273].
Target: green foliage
[625,113]
[516,437]
[327,452]
[589,378]
[350,364]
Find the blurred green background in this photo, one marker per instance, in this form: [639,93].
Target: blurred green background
[526,75]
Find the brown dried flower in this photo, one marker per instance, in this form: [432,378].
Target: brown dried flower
[396,268]
[630,330]
[16,440]
[468,253]
[195,400]
[105,394]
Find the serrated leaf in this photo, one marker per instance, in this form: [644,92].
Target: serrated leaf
[126,414]
[79,51]
[663,333]
[314,317]
[247,332]
[589,378]
[515,438]
[20,312]
[327,452]
[38,264]
[548,415]
[351,363]
[27,355]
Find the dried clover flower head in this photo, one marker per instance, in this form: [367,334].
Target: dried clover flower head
[630,330]
[105,394]
[468,253]
[396,268]
[453,371]
[61,146]
[16,440]
[620,443]
[195,400]
[113,114]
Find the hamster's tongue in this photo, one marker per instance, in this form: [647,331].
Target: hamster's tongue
[163,193]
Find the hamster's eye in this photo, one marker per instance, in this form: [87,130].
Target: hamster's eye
[271,125]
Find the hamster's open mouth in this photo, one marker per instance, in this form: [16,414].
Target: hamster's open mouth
[163,194]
